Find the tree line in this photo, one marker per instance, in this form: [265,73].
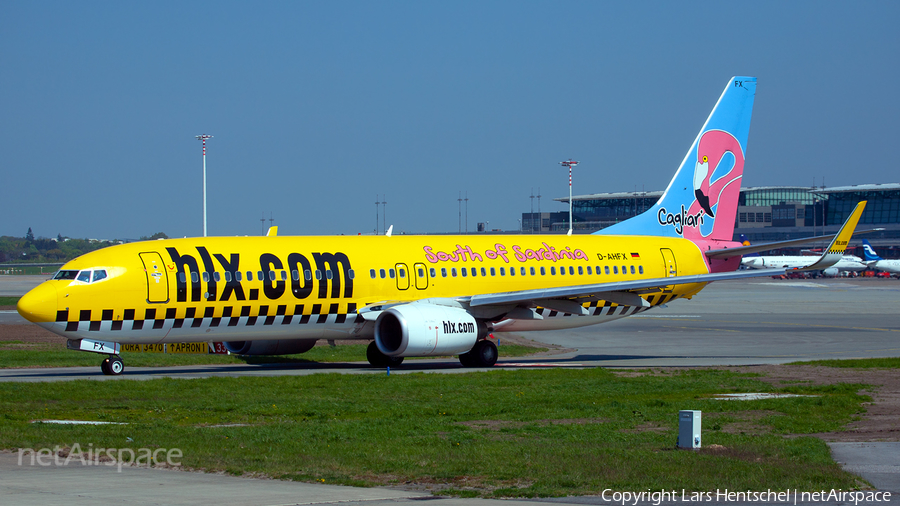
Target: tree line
[62,249]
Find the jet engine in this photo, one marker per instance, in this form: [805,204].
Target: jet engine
[270,347]
[831,272]
[422,330]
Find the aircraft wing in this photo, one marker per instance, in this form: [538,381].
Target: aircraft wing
[569,298]
[606,290]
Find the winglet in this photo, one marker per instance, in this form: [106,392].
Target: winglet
[389,230]
[839,244]
[273,231]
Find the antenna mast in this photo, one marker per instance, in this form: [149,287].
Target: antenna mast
[203,138]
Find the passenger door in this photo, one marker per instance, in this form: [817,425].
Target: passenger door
[421,273]
[402,276]
[157,279]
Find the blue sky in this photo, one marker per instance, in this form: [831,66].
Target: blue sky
[316,108]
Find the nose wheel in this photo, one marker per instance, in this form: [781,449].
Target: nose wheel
[112,365]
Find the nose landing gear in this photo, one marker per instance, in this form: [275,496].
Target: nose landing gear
[112,365]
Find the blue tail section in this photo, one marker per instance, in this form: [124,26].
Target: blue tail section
[701,200]
[869,252]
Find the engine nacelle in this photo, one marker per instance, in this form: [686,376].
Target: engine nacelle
[270,347]
[422,330]
[831,272]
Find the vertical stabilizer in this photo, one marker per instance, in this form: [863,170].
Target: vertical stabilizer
[869,252]
[701,200]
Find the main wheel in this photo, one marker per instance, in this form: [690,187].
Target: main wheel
[484,354]
[112,365]
[467,359]
[378,359]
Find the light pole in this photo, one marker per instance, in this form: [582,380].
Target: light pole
[570,163]
[203,138]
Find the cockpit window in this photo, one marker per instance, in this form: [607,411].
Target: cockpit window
[66,275]
[84,276]
[98,275]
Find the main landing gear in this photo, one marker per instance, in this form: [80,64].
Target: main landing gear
[483,354]
[112,365]
[378,359]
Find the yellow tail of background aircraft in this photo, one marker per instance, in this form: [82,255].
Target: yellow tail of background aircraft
[416,295]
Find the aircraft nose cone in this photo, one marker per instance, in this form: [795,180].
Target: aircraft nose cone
[39,305]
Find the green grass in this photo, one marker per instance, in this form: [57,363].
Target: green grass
[9,301]
[13,354]
[499,433]
[858,363]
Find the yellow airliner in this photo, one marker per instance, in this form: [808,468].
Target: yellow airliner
[416,295]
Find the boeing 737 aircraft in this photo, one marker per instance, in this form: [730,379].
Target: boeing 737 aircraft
[876,262]
[844,264]
[416,295]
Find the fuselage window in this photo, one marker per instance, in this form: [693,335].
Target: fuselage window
[319,275]
[259,276]
[598,270]
[483,272]
[381,273]
[580,270]
[295,275]
[217,277]
[284,275]
[503,271]
[493,271]
[552,270]
[571,270]
[308,275]
[562,271]
[271,275]
[98,275]
[205,277]
[237,275]
[351,274]
[181,277]
[624,270]
[512,271]
[464,272]
[522,271]
[606,269]
[372,273]
[615,270]
[432,272]
[228,276]
[195,278]
[329,275]
[249,275]
[543,271]
[391,273]
[474,272]
[68,275]
[443,272]
[421,272]
[589,270]
[632,269]
[531,269]
[641,269]
[453,271]
[401,272]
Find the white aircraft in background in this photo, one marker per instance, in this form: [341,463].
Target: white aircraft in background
[845,264]
[876,262]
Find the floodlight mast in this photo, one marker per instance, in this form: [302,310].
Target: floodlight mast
[569,163]
[203,138]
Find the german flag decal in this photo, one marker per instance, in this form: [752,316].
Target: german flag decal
[635,255]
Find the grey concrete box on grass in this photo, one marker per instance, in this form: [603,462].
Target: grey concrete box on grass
[688,429]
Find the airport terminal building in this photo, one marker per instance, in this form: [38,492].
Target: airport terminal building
[765,213]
